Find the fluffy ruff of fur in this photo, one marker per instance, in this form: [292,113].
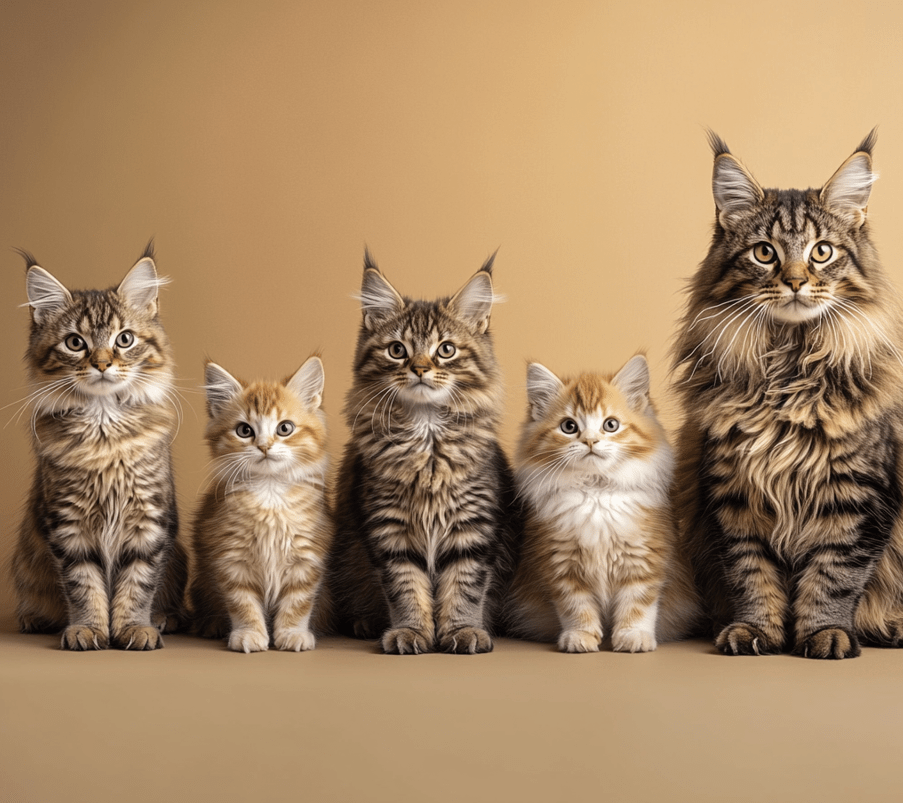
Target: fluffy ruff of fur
[790,461]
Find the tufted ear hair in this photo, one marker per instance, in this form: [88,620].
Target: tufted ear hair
[308,382]
[473,302]
[141,285]
[45,294]
[221,387]
[543,389]
[379,300]
[633,381]
[847,192]
[733,186]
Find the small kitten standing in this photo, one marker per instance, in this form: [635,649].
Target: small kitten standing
[425,519]
[263,528]
[99,533]
[595,469]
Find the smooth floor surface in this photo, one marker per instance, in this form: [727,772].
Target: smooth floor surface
[195,722]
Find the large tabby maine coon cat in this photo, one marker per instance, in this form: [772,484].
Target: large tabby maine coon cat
[792,386]
[97,555]
[425,494]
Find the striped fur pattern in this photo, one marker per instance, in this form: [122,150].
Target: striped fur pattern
[263,528]
[790,458]
[97,554]
[424,522]
[595,469]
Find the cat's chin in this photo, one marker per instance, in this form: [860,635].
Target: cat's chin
[423,395]
[797,311]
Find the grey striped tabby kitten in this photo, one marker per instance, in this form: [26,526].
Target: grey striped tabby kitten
[99,532]
[424,525]
[790,457]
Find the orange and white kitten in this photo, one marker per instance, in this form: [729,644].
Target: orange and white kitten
[263,529]
[594,468]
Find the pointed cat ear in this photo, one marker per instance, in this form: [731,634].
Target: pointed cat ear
[379,300]
[473,302]
[141,284]
[847,192]
[221,387]
[543,388]
[633,381]
[308,382]
[45,294]
[733,186]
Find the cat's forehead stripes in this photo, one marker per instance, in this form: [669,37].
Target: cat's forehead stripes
[590,392]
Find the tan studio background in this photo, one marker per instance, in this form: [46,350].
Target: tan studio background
[263,145]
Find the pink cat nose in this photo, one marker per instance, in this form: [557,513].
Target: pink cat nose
[264,447]
[101,365]
[591,442]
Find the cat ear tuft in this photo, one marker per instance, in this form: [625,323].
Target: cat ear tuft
[141,285]
[379,300]
[847,192]
[633,381]
[308,382]
[733,186]
[543,388]
[45,294]
[221,387]
[473,302]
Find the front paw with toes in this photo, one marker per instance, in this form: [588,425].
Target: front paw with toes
[741,638]
[579,641]
[631,639]
[138,637]
[406,641]
[466,641]
[83,637]
[832,643]
[246,639]
[294,640]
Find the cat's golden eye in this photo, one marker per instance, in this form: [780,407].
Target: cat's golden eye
[285,428]
[568,426]
[446,350]
[125,339]
[611,425]
[244,430]
[764,253]
[75,343]
[397,351]
[821,252]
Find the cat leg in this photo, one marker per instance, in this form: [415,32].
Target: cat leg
[756,588]
[409,594]
[40,604]
[244,605]
[84,584]
[879,616]
[463,578]
[635,613]
[291,625]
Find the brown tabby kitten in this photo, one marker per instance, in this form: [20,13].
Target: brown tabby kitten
[595,469]
[425,500]
[263,528]
[790,456]
[100,528]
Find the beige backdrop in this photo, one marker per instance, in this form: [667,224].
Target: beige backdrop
[263,145]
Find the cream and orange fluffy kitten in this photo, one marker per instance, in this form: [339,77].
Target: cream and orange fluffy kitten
[263,528]
[595,468]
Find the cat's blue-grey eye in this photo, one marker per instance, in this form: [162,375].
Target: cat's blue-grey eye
[285,428]
[446,350]
[125,339]
[764,253]
[611,425]
[243,430]
[821,252]
[397,351]
[569,426]
[75,343]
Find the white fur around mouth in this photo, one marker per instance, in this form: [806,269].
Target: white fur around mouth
[796,310]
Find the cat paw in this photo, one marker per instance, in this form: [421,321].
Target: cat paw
[890,635]
[139,637]
[38,624]
[296,640]
[82,637]
[405,641]
[579,641]
[248,640]
[631,639]
[744,639]
[832,642]
[466,641]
